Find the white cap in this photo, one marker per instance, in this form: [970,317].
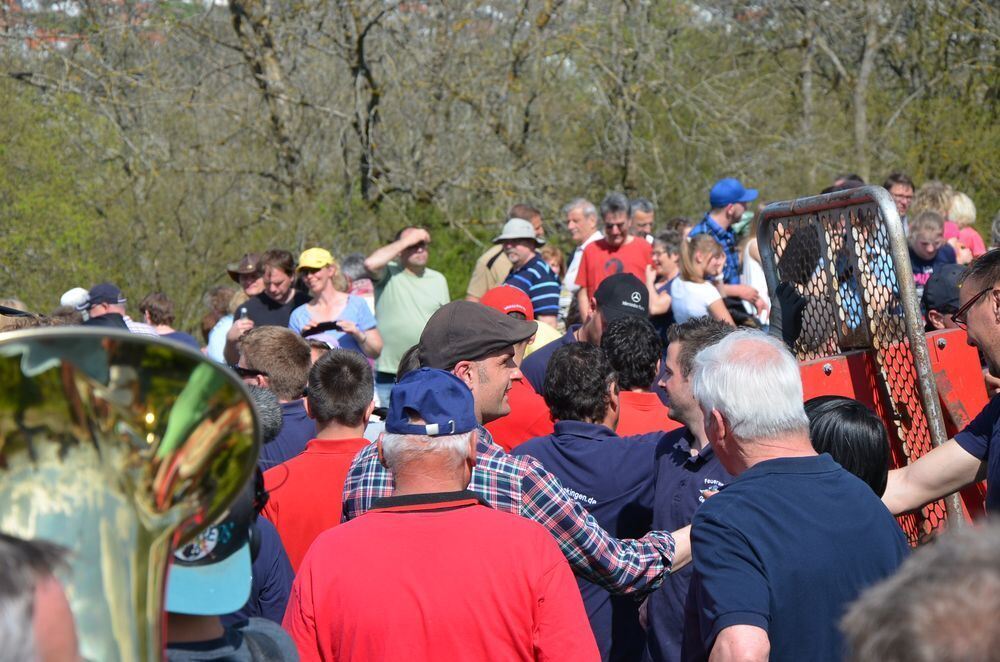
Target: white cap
[75,297]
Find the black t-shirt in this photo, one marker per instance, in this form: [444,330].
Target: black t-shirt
[265,311]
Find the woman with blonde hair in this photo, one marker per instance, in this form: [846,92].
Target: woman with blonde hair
[692,293]
[351,323]
[962,212]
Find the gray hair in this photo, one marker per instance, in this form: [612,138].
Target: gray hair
[995,232]
[940,605]
[586,206]
[642,205]
[353,266]
[754,382]
[399,449]
[615,203]
[268,412]
[23,564]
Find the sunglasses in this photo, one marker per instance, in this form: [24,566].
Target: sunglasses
[960,316]
[247,372]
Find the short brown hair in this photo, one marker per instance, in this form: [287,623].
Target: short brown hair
[277,258]
[159,307]
[525,211]
[696,334]
[280,353]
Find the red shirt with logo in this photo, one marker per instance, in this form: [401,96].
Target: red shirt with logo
[306,492]
[433,577]
[601,260]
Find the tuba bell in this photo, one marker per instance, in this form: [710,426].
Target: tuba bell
[120,447]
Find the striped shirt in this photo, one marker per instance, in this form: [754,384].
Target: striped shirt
[521,485]
[541,285]
[726,239]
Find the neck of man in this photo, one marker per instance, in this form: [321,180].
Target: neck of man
[587,234]
[588,331]
[696,431]
[163,329]
[334,430]
[184,628]
[421,477]
[719,216]
[415,269]
[754,452]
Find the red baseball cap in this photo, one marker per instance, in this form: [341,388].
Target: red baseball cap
[509,299]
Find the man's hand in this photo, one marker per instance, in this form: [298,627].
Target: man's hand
[414,236]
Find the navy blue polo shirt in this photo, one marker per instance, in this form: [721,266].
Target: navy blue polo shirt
[786,547]
[296,431]
[612,477]
[680,479]
[726,238]
[980,439]
[542,286]
[535,366]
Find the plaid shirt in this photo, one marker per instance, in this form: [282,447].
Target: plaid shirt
[522,486]
[726,238]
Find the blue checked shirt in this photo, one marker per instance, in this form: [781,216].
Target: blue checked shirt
[541,285]
[726,238]
[522,486]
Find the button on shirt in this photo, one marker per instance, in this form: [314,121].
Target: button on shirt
[536,280]
[726,238]
[521,485]
[621,499]
[981,438]
[680,480]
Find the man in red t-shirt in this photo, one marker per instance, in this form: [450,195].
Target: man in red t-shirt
[306,491]
[409,580]
[618,252]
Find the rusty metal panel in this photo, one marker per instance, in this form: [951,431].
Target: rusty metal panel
[845,253]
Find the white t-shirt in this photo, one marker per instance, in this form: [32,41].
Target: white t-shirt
[690,300]
[753,275]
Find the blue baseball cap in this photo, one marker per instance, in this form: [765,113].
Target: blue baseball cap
[729,191]
[438,397]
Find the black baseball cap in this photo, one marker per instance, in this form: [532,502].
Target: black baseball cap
[941,290]
[622,295]
[466,331]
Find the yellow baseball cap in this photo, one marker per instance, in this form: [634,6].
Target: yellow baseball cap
[315,258]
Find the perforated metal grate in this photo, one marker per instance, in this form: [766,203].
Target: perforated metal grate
[845,254]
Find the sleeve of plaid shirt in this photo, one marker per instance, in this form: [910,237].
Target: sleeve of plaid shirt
[617,565]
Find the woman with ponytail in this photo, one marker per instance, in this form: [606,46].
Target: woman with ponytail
[693,293]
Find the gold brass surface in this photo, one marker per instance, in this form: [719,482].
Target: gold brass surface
[119,447]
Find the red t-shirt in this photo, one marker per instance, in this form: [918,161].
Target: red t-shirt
[528,417]
[640,413]
[437,577]
[306,492]
[601,260]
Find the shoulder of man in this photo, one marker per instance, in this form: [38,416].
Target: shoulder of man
[267,641]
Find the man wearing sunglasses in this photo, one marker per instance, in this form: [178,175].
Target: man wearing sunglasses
[974,453]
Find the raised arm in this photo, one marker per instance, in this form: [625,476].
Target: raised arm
[376,262]
[945,469]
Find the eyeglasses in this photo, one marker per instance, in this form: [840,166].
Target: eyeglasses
[960,316]
[247,372]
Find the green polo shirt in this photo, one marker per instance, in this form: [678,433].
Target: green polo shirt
[403,304]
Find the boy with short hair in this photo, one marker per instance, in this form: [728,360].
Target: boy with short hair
[928,249]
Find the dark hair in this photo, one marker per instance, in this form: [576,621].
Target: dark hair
[696,334]
[399,233]
[159,307]
[276,258]
[984,270]
[678,223]
[853,435]
[577,382]
[409,362]
[340,388]
[897,178]
[633,349]
[523,210]
[671,241]
[615,203]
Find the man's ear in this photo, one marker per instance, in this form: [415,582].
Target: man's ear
[614,396]
[309,411]
[368,411]
[715,426]
[995,299]
[936,319]
[463,370]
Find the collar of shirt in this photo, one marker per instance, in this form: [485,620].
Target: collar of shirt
[336,446]
[579,429]
[534,258]
[809,464]
[683,448]
[415,503]
[591,239]
[295,409]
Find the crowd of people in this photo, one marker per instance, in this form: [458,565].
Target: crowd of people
[602,454]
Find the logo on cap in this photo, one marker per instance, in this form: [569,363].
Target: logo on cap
[636,297]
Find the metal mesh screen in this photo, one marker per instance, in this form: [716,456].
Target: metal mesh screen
[845,254]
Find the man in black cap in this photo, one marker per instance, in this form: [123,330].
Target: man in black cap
[620,295]
[105,306]
[479,345]
[940,298]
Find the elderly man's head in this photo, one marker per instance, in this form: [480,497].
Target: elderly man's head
[750,391]
[481,347]
[979,307]
[429,442]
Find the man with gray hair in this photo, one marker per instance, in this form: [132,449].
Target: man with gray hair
[941,605]
[410,575]
[643,217]
[777,553]
[580,216]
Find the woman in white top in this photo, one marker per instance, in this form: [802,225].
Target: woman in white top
[692,293]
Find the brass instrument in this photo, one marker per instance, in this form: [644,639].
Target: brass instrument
[120,447]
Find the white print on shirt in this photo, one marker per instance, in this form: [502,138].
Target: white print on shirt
[582,498]
[709,485]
